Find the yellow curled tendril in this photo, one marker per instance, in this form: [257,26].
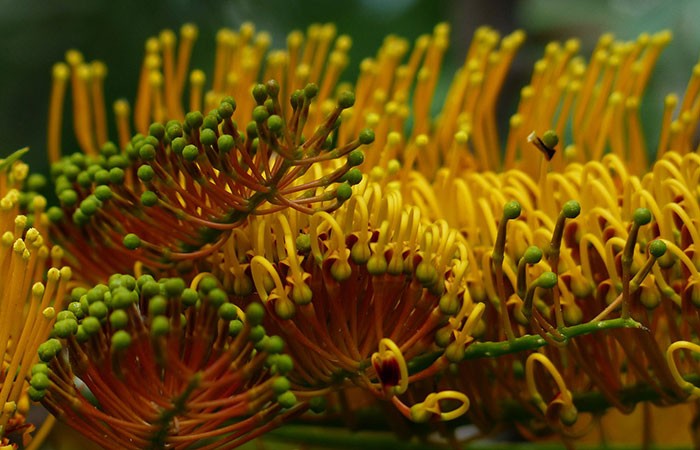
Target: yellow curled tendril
[259,266]
[687,386]
[566,397]
[388,348]
[683,257]
[430,407]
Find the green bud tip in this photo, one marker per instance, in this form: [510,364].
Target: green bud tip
[550,139]
[89,206]
[274,345]
[254,314]
[116,175]
[275,123]
[36,182]
[160,326]
[225,110]
[532,255]
[189,297]
[149,289]
[75,295]
[310,91]
[65,328]
[303,243]
[259,93]
[571,209]
[190,152]
[230,101]
[217,297]
[228,311]
[120,340]
[149,198]
[75,309]
[208,137]
[279,386]
[257,333]
[343,192]
[210,124]
[48,349]
[511,210]
[98,310]
[296,98]
[657,248]
[273,88]
[260,114]
[157,305]
[284,364]
[547,280]
[355,158]
[40,368]
[251,130]
[353,176]
[36,395]
[346,99]
[366,136]
[287,400]
[225,143]
[174,287]
[103,193]
[178,145]
[147,152]
[68,197]
[235,327]
[118,319]
[91,325]
[101,177]
[194,119]
[131,241]
[641,216]
[55,214]
[174,130]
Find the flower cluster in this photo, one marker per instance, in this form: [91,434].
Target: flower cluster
[452,279]
[171,365]
[28,306]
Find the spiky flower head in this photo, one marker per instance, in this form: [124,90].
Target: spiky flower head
[157,364]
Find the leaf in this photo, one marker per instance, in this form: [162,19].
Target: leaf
[7,162]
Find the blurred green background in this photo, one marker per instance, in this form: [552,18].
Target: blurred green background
[34,34]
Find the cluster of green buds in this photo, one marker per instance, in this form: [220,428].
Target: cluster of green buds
[171,364]
[177,193]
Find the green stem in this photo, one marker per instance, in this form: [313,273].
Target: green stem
[526,342]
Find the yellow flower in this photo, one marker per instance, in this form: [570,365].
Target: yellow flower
[506,283]
[28,307]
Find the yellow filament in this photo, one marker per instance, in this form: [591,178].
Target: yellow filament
[431,404]
[188,35]
[688,387]
[60,77]
[99,72]
[566,397]
[259,267]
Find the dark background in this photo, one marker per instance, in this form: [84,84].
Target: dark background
[34,34]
